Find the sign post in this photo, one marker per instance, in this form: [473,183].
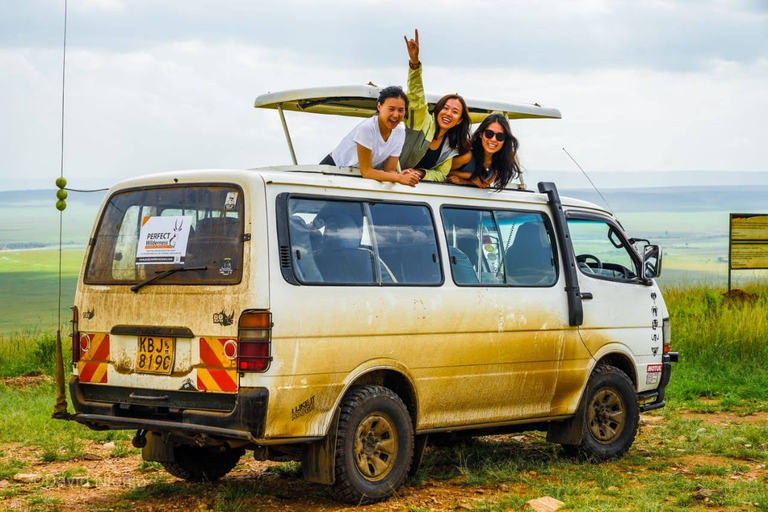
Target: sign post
[747,243]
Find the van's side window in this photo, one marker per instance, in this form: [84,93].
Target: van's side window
[351,242]
[499,248]
[600,250]
[406,242]
[329,242]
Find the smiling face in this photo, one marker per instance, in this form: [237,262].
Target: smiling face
[391,112]
[450,115]
[491,146]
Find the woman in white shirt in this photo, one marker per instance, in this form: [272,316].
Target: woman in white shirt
[375,144]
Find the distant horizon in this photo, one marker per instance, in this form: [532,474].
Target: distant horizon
[566,180]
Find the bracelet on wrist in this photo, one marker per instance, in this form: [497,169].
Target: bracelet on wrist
[414,66]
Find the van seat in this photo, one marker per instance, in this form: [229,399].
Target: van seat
[214,239]
[529,261]
[342,259]
[463,272]
[302,252]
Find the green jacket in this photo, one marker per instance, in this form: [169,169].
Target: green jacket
[420,130]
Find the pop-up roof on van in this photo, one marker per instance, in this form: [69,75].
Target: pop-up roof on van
[360,101]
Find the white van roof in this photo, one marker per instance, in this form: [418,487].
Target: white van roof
[360,101]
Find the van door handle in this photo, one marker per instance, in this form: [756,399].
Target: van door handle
[586,296]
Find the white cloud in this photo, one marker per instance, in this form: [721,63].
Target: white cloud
[99,5]
[658,84]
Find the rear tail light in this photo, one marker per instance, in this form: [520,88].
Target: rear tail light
[75,335]
[666,335]
[254,339]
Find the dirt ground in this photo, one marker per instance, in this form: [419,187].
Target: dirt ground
[98,481]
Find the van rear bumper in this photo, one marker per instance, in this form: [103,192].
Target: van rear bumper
[235,416]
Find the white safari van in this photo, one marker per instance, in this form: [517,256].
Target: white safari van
[306,313]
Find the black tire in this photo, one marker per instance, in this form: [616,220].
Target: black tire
[611,416]
[374,445]
[196,464]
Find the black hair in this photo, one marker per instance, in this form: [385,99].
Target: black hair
[504,162]
[393,91]
[458,136]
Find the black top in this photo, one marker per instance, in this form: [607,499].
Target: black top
[429,160]
[483,172]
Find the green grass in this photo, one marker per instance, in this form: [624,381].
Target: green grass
[654,475]
[30,284]
[25,417]
[31,352]
[11,467]
[123,449]
[723,345]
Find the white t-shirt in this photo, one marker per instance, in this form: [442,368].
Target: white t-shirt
[367,134]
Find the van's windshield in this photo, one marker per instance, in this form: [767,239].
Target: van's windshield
[147,231]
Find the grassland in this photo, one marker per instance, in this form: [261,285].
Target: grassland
[29,282]
[707,449]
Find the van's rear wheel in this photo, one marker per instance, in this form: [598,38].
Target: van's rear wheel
[610,417]
[374,445]
[196,464]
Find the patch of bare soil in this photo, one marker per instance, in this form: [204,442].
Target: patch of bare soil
[725,418]
[26,380]
[98,482]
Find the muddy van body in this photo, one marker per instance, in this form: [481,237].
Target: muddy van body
[307,313]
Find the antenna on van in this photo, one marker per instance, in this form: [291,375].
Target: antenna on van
[60,406]
[590,182]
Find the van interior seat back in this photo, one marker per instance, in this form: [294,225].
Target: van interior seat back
[529,260]
[212,240]
[302,251]
[342,259]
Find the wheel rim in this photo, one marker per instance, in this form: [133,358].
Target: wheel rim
[607,416]
[375,446]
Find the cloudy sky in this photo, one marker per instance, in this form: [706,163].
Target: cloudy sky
[643,85]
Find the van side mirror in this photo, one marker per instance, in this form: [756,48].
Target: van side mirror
[651,261]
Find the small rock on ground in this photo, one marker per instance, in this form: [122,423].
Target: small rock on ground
[545,504]
[28,478]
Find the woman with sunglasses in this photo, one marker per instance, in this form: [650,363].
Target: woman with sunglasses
[432,139]
[492,160]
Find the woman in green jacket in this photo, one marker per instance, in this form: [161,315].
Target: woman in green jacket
[432,139]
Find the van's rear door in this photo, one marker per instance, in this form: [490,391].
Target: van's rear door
[162,289]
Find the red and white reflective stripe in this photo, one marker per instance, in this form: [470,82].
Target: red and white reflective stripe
[654,368]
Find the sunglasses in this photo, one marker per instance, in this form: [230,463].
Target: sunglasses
[489,134]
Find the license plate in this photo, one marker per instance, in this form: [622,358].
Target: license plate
[155,355]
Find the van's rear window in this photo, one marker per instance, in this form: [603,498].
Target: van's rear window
[144,232]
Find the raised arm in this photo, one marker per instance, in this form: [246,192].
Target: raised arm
[418,111]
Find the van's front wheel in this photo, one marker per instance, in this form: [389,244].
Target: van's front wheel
[196,464]
[610,417]
[374,445]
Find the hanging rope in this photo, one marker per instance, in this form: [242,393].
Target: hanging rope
[60,408]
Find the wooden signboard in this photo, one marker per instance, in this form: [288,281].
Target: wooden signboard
[747,243]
